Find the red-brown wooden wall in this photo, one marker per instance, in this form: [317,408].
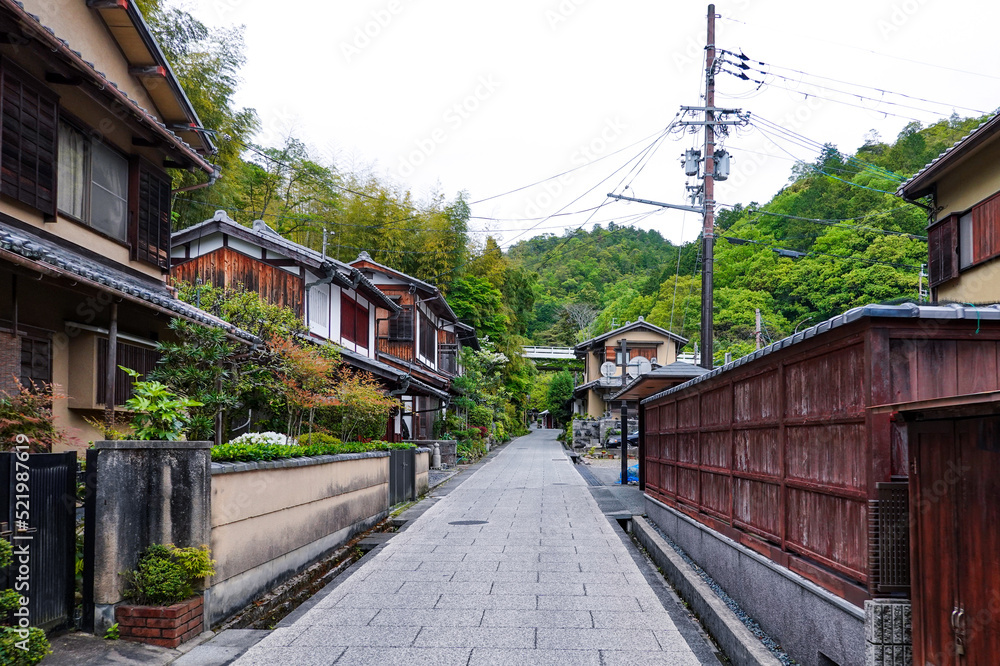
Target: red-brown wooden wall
[226,267]
[781,454]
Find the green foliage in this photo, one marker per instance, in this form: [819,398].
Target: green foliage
[158,580]
[9,600]
[28,412]
[11,643]
[200,365]
[112,633]
[167,574]
[322,445]
[628,272]
[196,561]
[157,413]
[560,397]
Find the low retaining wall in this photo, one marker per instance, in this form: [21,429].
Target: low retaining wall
[272,519]
[422,479]
[448,448]
[814,626]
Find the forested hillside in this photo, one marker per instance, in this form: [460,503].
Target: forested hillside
[834,238]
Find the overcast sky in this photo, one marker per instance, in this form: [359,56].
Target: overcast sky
[488,97]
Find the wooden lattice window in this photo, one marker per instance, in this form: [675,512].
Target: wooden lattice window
[30,115]
[36,362]
[150,239]
[401,325]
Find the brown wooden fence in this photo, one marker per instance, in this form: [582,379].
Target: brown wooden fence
[782,454]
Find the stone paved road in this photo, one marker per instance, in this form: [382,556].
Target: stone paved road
[536,575]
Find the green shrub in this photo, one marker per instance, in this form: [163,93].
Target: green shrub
[319,439]
[158,579]
[12,641]
[480,415]
[166,574]
[327,445]
[157,413]
[11,652]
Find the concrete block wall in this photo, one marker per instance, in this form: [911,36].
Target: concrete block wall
[270,520]
[888,632]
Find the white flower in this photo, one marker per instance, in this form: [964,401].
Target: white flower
[272,438]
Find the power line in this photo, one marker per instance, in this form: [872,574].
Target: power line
[560,175]
[813,145]
[744,66]
[813,38]
[743,76]
[818,170]
[801,253]
[840,222]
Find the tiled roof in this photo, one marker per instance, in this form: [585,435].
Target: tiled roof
[907,311]
[36,248]
[641,323]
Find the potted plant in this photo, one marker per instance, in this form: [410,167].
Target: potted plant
[165,586]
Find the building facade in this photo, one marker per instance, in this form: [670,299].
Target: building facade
[92,118]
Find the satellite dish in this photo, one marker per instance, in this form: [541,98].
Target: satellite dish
[608,369]
[638,366]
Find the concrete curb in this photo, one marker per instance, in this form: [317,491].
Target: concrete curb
[735,640]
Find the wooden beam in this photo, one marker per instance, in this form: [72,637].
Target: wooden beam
[143,142]
[171,164]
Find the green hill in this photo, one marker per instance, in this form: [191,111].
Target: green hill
[834,238]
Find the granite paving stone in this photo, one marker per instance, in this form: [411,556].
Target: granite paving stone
[546,579]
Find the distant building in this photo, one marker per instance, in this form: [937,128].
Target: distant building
[593,397]
[424,340]
[964,234]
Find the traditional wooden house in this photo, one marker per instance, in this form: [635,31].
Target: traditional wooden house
[593,396]
[424,340]
[336,301]
[92,116]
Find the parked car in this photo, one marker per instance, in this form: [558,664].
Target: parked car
[616,440]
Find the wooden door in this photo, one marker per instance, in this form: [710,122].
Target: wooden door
[978,618]
[934,557]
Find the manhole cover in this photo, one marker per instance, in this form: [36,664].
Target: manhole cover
[560,460]
[468,522]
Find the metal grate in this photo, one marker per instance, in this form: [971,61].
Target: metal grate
[889,539]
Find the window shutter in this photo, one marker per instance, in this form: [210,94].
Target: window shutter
[942,239]
[30,115]
[150,235]
[348,319]
[361,325]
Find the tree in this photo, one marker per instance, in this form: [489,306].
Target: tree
[560,397]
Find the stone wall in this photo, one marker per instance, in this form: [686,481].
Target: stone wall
[10,362]
[270,520]
[448,448]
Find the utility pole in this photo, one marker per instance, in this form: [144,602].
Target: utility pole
[708,229]
[624,479]
[757,329]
